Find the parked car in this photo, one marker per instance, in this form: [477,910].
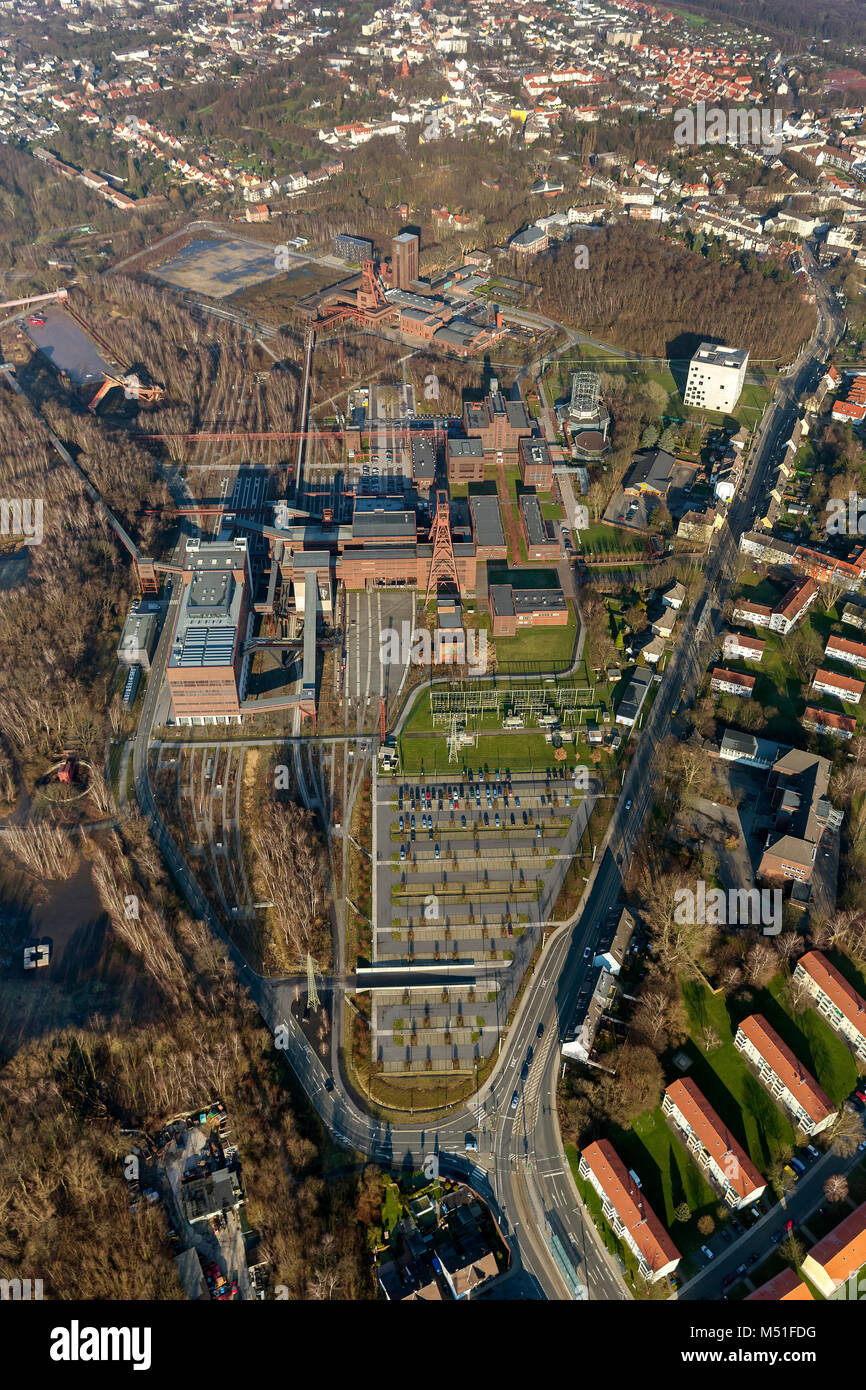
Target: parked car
[705,1250]
[587,953]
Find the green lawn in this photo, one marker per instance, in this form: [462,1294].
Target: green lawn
[668,1175]
[731,1089]
[813,1040]
[392,1207]
[547,646]
[525,750]
[600,540]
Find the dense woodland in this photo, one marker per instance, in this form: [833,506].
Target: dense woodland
[689,294]
[173,1029]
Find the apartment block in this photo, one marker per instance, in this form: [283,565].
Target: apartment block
[627,1211]
[841,1254]
[847,653]
[724,682]
[785,1288]
[786,614]
[836,1000]
[740,647]
[712,1145]
[816,564]
[844,688]
[825,721]
[784,1075]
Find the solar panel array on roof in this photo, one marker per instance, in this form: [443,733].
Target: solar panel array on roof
[207,646]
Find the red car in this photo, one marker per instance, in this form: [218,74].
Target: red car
[37,320]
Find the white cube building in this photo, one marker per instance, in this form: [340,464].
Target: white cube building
[716,377]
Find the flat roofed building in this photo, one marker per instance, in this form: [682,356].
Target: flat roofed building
[383,525]
[352,248]
[138,638]
[423,463]
[465,460]
[628,1212]
[405,251]
[841,1254]
[535,463]
[835,999]
[205,663]
[487,527]
[539,545]
[716,377]
[787,1287]
[499,423]
[784,1075]
[513,608]
[711,1143]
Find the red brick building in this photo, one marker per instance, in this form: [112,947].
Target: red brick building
[535,464]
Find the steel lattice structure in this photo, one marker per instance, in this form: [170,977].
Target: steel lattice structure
[443,566]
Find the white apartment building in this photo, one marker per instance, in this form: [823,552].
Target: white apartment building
[836,1000]
[711,1144]
[627,1211]
[784,1075]
[716,377]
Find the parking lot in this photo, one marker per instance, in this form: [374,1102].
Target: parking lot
[467,873]
[68,347]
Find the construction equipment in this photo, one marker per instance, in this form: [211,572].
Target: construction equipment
[133,389]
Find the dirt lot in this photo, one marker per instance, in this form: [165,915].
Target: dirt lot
[219,268]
